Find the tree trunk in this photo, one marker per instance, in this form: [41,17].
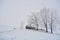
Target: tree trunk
[46,28]
[51,24]
[51,27]
[51,30]
[37,27]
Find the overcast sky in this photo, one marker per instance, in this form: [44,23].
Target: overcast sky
[12,12]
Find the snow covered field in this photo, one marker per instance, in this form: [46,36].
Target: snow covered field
[23,34]
[16,13]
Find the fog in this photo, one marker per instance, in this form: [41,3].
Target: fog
[13,12]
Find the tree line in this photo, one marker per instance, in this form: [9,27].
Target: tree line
[45,18]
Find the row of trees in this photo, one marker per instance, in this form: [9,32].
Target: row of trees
[45,18]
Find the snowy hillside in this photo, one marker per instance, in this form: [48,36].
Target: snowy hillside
[15,14]
[23,34]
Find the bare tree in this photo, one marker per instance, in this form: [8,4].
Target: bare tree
[53,18]
[45,17]
[33,20]
[48,18]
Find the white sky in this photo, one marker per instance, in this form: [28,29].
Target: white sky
[12,12]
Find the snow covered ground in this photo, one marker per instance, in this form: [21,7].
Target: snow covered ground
[16,12]
[23,34]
